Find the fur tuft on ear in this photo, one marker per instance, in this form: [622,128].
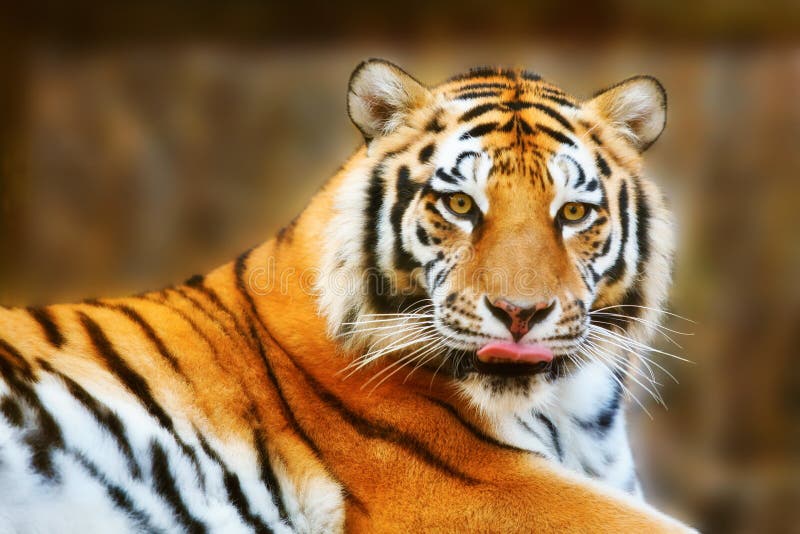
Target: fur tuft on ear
[380,97]
[636,107]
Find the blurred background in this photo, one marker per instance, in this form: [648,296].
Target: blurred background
[140,143]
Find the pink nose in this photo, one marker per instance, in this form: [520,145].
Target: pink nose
[517,319]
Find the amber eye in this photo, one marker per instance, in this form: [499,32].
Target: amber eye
[459,203]
[572,212]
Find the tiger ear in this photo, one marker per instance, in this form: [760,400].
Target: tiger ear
[380,97]
[636,107]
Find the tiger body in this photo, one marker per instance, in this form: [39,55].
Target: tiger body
[230,403]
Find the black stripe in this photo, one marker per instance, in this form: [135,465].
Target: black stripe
[442,175]
[290,417]
[199,306]
[12,412]
[634,296]
[45,319]
[479,130]
[46,437]
[117,494]
[590,471]
[286,233]
[602,164]
[523,124]
[43,441]
[642,227]
[211,295]
[555,134]
[422,235]
[484,72]
[604,420]
[374,429]
[606,248]
[472,429]
[268,476]
[164,484]
[517,105]
[434,125]
[377,284]
[553,434]
[550,112]
[585,281]
[430,265]
[286,410]
[104,417]
[600,220]
[442,276]
[151,334]
[524,424]
[20,363]
[233,487]
[472,95]
[558,98]
[483,85]
[430,206]
[193,325]
[43,438]
[477,111]
[406,189]
[195,280]
[595,274]
[426,152]
[466,154]
[581,174]
[134,382]
[617,271]
[603,195]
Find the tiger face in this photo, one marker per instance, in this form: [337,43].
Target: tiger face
[494,214]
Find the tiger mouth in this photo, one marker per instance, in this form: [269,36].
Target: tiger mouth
[469,363]
[506,368]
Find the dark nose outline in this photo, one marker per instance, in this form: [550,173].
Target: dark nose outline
[519,320]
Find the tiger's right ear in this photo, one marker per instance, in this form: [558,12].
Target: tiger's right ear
[380,97]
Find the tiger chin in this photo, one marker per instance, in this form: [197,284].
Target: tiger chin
[440,341]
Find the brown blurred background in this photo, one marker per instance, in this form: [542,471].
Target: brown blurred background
[140,143]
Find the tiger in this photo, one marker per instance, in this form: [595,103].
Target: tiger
[439,342]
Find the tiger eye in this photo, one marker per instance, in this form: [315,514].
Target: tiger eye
[460,204]
[573,211]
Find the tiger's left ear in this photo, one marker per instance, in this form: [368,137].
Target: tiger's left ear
[636,108]
[380,97]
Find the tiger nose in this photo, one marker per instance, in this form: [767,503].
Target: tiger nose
[517,319]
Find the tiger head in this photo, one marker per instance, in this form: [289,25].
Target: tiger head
[492,225]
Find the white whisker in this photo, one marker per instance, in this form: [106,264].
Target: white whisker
[665,312]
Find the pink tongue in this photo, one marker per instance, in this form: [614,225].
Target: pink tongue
[514,352]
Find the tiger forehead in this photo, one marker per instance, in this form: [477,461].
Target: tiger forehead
[504,86]
[509,109]
[498,77]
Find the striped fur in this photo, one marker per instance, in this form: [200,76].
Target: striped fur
[237,402]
